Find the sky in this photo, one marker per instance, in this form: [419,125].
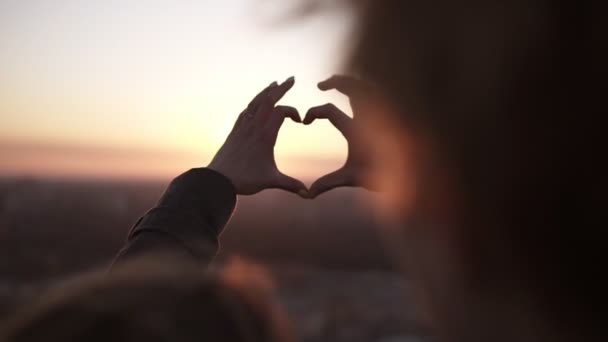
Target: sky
[148,89]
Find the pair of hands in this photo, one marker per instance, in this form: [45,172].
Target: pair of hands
[247,156]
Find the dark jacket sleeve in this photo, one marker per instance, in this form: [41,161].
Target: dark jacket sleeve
[187,220]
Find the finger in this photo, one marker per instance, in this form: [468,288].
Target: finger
[279,113]
[261,96]
[291,184]
[254,105]
[277,93]
[330,181]
[329,111]
[289,112]
[273,96]
[262,114]
[347,85]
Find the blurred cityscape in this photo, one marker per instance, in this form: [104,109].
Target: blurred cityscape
[332,273]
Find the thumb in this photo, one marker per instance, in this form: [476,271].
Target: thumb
[330,181]
[291,184]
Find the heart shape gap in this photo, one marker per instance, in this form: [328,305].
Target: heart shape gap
[308,152]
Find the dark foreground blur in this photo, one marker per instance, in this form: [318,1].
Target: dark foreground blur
[333,275]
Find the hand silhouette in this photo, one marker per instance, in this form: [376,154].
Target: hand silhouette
[356,165]
[247,156]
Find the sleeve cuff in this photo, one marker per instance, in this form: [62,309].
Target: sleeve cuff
[194,209]
[204,192]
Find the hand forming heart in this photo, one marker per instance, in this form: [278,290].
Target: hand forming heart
[247,156]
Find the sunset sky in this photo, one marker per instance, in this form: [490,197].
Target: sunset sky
[147,89]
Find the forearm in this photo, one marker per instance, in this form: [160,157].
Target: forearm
[187,220]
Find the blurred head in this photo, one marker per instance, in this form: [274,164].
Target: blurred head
[487,148]
[155,300]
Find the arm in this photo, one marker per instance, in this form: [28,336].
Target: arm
[187,220]
[197,205]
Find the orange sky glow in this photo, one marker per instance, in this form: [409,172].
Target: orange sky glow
[148,89]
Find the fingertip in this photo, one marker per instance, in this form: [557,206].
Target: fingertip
[289,82]
[309,117]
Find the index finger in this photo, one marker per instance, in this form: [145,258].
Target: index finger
[260,96]
[277,93]
[330,112]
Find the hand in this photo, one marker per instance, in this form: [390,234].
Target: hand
[356,165]
[247,156]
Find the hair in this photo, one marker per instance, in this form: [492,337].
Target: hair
[153,299]
[511,93]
